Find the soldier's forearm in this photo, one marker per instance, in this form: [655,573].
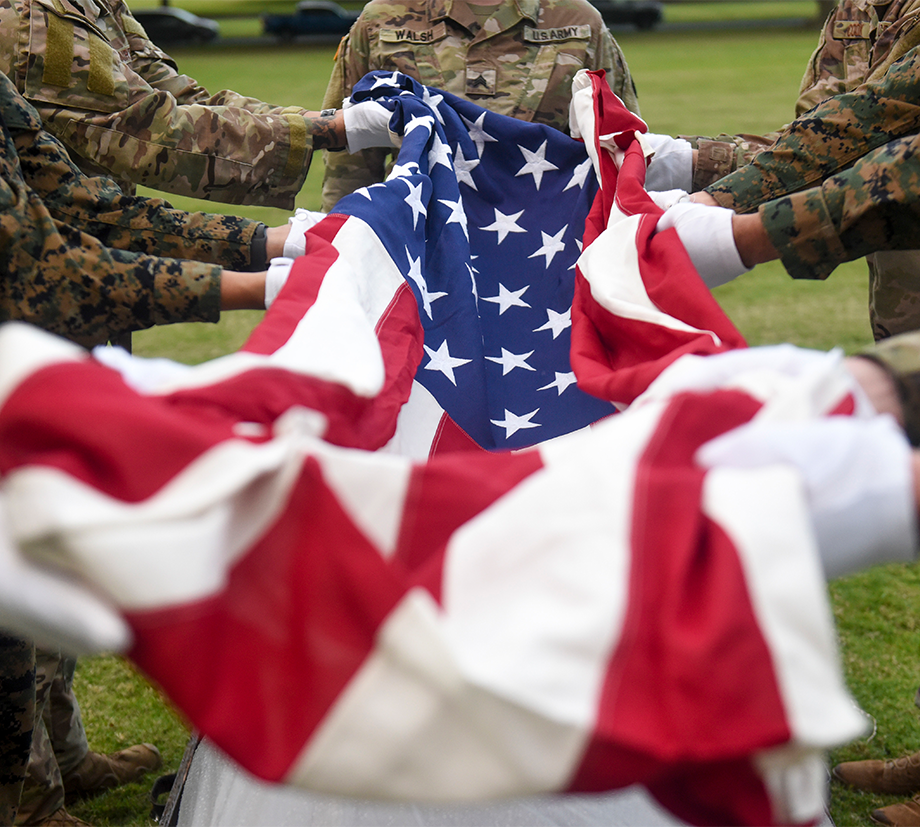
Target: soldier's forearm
[242,291]
[328,129]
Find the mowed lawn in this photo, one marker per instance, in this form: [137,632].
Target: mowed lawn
[689,83]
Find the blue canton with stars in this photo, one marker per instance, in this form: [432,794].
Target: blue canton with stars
[485,214]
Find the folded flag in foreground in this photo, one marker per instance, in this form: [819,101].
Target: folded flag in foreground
[590,613]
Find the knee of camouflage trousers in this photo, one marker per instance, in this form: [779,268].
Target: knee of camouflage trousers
[894,292]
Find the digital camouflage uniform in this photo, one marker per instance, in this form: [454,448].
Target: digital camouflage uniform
[520,62]
[86,261]
[860,41]
[872,205]
[830,138]
[121,107]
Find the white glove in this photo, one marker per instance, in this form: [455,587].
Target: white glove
[300,222]
[367,124]
[668,198]
[278,271]
[857,476]
[671,166]
[53,609]
[706,233]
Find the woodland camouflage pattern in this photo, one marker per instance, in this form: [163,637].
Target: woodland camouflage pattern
[86,261]
[121,108]
[520,62]
[873,205]
[828,139]
[859,42]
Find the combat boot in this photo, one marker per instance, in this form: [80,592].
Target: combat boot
[898,777]
[904,814]
[61,818]
[97,773]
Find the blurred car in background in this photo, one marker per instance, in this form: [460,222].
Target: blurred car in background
[322,17]
[169,26]
[643,14]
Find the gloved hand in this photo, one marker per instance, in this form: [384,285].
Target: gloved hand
[857,477]
[668,198]
[367,124]
[671,166]
[54,609]
[278,271]
[300,222]
[706,233]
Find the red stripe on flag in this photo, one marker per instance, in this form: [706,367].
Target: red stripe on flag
[299,291]
[691,654]
[444,494]
[258,666]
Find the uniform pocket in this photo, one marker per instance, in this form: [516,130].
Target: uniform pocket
[71,63]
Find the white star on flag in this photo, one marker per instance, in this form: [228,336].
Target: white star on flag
[433,101]
[402,170]
[579,175]
[506,298]
[439,154]
[478,134]
[552,244]
[392,80]
[415,273]
[414,201]
[457,214]
[563,381]
[536,164]
[419,122]
[463,167]
[509,361]
[504,224]
[556,322]
[441,360]
[512,423]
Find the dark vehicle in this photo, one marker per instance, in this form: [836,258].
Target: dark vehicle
[312,17]
[643,14]
[176,27]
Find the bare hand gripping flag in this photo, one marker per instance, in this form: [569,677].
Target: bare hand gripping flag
[586,614]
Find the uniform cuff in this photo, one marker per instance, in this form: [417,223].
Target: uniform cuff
[802,230]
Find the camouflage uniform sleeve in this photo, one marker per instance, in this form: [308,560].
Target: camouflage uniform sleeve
[344,172]
[718,156]
[127,111]
[874,205]
[146,225]
[610,58]
[828,138]
[67,281]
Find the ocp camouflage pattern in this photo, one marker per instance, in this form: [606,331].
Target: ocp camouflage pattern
[83,259]
[17,717]
[59,739]
[519,62]
[122,108]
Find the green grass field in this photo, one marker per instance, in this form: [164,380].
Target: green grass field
[703,83]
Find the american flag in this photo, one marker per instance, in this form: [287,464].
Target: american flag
[590,613]
[486,222]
